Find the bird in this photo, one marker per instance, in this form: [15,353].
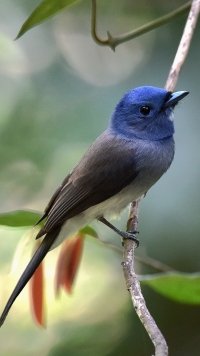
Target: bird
[120,166]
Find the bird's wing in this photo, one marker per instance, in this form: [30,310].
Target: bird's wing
[53,199]
[107,167]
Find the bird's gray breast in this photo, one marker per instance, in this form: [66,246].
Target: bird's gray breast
[153,158]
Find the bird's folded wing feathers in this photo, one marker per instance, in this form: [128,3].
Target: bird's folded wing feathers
[107,167]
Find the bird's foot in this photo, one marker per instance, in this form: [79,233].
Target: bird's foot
[130,235]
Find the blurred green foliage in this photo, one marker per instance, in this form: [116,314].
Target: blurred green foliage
[58,90]
[19,218]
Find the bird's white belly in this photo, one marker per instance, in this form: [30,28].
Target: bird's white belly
[108,208]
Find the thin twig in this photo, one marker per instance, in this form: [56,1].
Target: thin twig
[113,42]
[145,260]
[152,262]
[184,46]
[95,37]
[133,285]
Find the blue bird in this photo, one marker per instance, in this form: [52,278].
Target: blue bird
[121,165]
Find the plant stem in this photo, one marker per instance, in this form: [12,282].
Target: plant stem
[184,46]
[132,282]
[113,42]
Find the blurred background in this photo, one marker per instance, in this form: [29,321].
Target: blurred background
[57,92]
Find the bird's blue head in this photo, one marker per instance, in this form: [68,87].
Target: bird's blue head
[146,113]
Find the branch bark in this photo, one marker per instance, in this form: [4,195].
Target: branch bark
[133,285]
[184,46]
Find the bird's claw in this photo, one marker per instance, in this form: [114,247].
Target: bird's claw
[131,235]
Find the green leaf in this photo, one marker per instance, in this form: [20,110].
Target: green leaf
[19,218]
[42,12]
[180,287]
[88,230]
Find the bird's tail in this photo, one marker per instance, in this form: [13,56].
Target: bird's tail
[29,270]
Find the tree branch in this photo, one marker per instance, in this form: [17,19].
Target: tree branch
[132,282]
[133,286]
[113,42]
[184,46]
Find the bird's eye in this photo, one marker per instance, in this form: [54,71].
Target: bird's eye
[145,110]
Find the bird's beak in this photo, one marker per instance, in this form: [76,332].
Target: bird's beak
[175,98]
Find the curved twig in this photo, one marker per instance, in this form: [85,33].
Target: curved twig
[95,37]
[113,42]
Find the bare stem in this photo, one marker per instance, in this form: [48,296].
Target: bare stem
[184,46]
[96,38]
[113,42]
[133,285]
[145,260]
[152,262]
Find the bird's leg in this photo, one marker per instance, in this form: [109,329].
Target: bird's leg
[131,235]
